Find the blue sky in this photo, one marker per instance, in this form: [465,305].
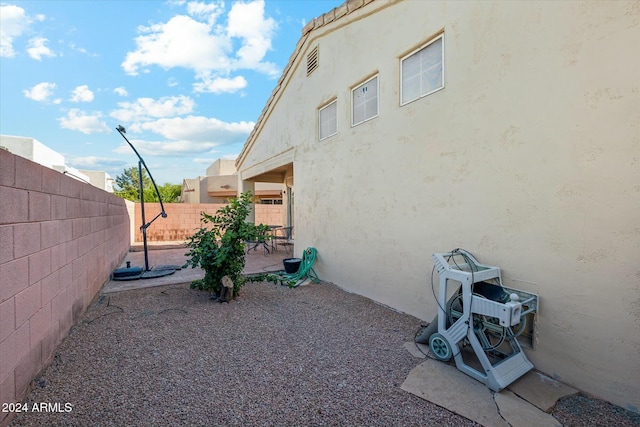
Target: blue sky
[187,79]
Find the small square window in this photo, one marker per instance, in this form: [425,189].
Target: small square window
[364,101]
[328,120]
[422,71]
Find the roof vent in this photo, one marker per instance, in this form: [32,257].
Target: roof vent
[312,61]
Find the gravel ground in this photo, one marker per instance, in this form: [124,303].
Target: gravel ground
[314,355]
[579,411]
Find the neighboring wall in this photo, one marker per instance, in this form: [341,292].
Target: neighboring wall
[183,219]
[195,190]
[60,240]
[529,158]
[270,214]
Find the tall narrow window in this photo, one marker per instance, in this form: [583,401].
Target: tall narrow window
[364,101]
[328,120]
[422,71]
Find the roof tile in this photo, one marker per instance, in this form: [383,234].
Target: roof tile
[354,4]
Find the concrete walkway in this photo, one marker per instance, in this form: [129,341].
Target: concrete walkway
[160,254]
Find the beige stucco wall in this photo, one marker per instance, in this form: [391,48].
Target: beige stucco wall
[529,158]
[222,167]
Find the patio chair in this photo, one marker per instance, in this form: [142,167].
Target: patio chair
[283,236]
[305,271]
[260,240]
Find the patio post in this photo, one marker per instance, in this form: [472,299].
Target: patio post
[244,186]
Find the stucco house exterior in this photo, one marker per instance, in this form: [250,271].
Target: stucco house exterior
[510,129]
[221,182]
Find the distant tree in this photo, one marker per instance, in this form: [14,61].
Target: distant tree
[170,193]
[128,184]
[128,187]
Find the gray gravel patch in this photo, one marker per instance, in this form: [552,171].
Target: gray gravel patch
[311,356]
[582,411]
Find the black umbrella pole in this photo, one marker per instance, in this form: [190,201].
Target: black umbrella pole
[144,222]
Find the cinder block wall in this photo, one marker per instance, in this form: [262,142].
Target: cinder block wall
[59,241]
[183,219]
[269,214]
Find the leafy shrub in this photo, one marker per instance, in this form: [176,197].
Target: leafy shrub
[218,246]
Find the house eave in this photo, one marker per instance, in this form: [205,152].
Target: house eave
[334,15]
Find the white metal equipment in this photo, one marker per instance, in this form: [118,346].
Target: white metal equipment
[483,314]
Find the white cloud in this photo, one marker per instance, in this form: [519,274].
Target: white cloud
[73,46]
[166,148]
[37,48]
[181,42]
[82,94]
[148,108]
[198,43]
[220,85]
[13,23]
[207,11]
[94,162]
[187,136]
[247,22]
[121,91]
[40,92]
[84,122]
[198,128]
[206,161]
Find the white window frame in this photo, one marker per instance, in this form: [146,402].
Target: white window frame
[320,110]
[353,106]
[414,52]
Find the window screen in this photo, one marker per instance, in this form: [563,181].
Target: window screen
[422,72]
[365,101]
[328,118]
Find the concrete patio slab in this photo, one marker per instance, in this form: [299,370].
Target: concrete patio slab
[257,261]
[449,388]
[443,384]
[520,413]
[540,390]
[415,352]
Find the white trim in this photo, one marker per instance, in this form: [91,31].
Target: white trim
[281,159]
[413,52]
[353,124]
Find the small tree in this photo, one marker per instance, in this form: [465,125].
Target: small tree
[128,184]
[218,246]
[170,193]
[128,187]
